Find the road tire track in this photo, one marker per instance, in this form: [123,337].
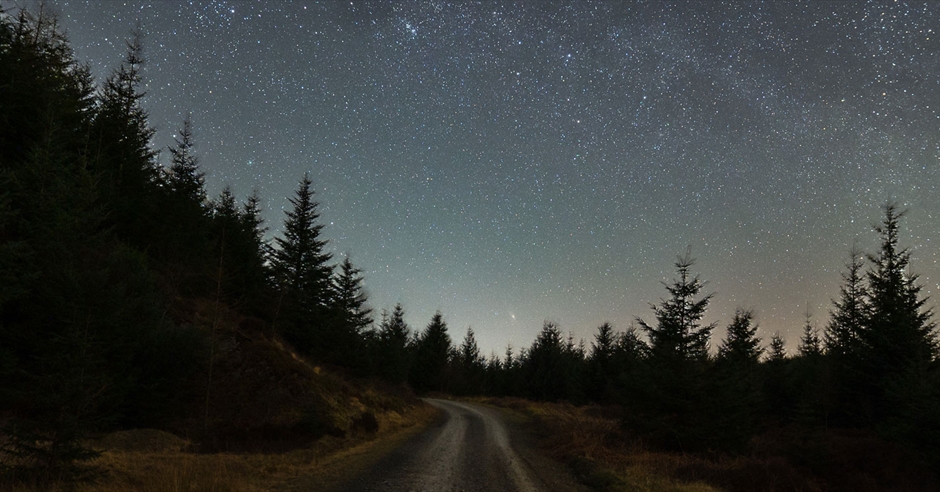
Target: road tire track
[470,449]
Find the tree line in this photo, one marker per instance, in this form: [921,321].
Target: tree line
[100,244]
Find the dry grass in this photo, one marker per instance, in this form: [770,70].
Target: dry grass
[591,440]
[154,461]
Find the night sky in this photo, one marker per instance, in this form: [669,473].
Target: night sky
[512,163]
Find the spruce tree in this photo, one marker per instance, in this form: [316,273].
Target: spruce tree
[393,341]
[899,339]
[737,382]
[850,312]
[741,346]
[350,317]
[675,388]
[184,242]
[679,337]
[121,137]
[238,246]
[843,343]
[432,356]
[184,179]
[544,368]
[302,273]
[777,351]
[469,366]
[349,298]
[810,343]
[601,371]
[777,387]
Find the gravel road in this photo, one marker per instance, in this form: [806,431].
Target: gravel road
[469,450]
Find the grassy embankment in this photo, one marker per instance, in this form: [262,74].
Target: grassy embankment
[262,419]
[156,461]
[604,456]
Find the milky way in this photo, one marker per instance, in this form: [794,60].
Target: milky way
[516,162]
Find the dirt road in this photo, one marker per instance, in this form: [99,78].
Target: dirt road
[471,449]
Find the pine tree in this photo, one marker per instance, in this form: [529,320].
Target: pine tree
[470,366]
[741,346]
[184,178]
[184,221]
[394,353]
[350,318]
[672,410]
[432,355]
[601,371]
[121,138]
[810,343]
[350,299]
[302,273]
[679,337]
[899,340]
[545,365]
[850,312]
[737,385]
[777,351]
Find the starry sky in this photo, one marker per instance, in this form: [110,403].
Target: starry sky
[514,162]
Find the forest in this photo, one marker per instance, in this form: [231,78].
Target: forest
[110,262]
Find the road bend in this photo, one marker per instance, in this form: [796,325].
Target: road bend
[468,450]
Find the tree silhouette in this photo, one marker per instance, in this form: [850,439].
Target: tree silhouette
[394,353]
[302,273]
[675,387]
[184,223]
[469,366]
[679,337]
[741,346]
[850,312]
[602,373]
[777,352]
[432,355]
[899,340]
[738,383]
[349,319]
[121,135]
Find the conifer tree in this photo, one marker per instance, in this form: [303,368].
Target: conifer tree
[393,340]
[741,346]
[301,272]
[850,312]
[899,339]
[237,237]
[470,366]
[432,355]
[843,343]
[602,374]
[349,299]
[679,337]
[184,178]
[545,365]
[675,388]
[737,382]
[349,321]
[778,393]
[777,352]
[121,138]
[810,343]
[184,242]
[252,252]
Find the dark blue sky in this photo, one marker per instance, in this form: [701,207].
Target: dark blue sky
[508,163]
